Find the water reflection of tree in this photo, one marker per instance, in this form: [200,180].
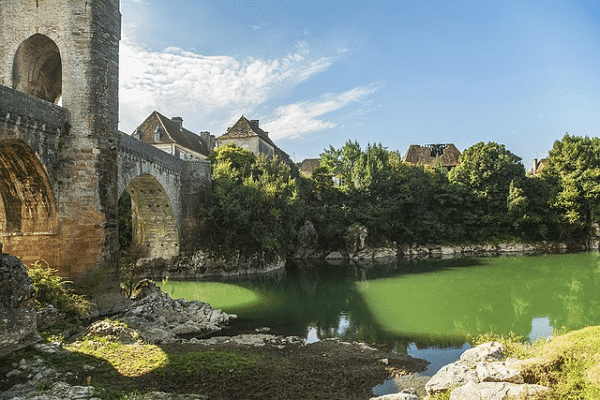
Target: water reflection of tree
[507,295]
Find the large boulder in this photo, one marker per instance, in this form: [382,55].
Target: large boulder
[306,246]
[482,374]
[160,319]
[496,391]
[355,238]
[18,327]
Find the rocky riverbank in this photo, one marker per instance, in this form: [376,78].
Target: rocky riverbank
[154,349]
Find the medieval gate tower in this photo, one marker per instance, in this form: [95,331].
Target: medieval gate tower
[59,132]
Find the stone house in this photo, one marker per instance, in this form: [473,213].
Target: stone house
[169,135]
[447,154]
[248,135]
[538,166]
[309,165]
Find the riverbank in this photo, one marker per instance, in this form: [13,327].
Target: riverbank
[260,366]
[257,366]
[156,346]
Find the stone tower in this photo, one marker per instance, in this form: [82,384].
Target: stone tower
[66,52]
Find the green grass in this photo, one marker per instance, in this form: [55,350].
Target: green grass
[216,362]
[129,360]
[568,364]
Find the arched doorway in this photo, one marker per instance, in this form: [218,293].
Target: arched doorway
[28,216]
[37,68]
[151,226]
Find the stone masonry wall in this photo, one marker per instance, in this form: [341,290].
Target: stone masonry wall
[86,35]
[30,128]
[167,210]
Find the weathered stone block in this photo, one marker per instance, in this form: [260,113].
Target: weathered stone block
[18,327]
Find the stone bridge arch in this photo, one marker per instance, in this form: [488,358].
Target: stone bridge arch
[64,50]
[28,211]
[168,189]
[152,178]
[153,218]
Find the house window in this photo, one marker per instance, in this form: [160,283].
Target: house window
[158,134]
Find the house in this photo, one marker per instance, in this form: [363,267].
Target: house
[248,135]
[538,166]
[169,135]
[309,165]
[447,154]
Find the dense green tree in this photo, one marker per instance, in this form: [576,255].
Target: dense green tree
[257,203]
[394,200]
[486,171]
[573,170]
[254,208]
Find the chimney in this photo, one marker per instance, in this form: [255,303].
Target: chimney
[255,122]
[179,121]
[535,165]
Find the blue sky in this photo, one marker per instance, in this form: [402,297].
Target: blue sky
[319,73]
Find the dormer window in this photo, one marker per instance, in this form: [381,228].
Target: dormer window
[158,133]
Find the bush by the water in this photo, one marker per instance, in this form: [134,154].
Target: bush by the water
[51,289]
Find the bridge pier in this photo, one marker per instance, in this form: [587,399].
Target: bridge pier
[62,51]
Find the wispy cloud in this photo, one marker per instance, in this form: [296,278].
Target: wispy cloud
[295,120]
[179,82]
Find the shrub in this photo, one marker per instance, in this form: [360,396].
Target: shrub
[53,289]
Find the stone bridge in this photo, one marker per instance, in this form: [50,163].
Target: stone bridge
[166,191]
[63,162]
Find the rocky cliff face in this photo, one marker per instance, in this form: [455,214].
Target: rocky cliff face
[18,327]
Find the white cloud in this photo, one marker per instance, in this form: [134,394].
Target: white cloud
[178,82]
[298,119]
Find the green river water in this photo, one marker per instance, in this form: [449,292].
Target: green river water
[425,308]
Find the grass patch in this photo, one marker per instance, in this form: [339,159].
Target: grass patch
[129,360]
[53,289]
[191,365]
[570,365]
[516,346]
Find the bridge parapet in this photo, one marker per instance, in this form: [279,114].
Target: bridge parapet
[146,152]
[28,111]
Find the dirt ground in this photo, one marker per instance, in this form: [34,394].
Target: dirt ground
[328,369]
[322,370]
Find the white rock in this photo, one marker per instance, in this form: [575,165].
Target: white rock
[492,351]
[334,255]
[397,396]
[495,391]
[497,372]
[450,376]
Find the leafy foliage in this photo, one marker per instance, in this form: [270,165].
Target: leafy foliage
[258,203]
[255,205]
[573,171]
[53,289]
[487,171]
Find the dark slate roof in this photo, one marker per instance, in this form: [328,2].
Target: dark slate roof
[172,133]
[245,128]
[448,154]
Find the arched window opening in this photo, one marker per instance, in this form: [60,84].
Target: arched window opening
[37,68]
